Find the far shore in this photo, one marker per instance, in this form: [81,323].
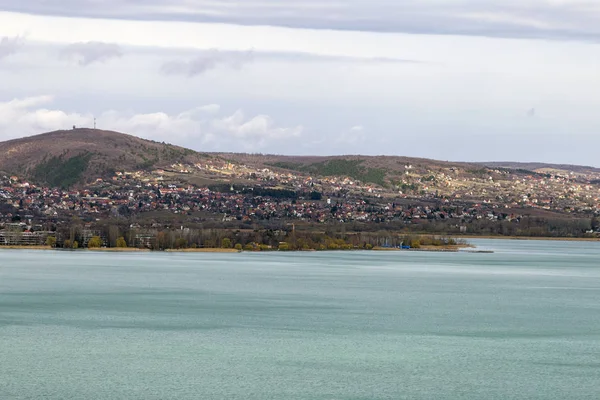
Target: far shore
[203,250]
[117,249]
[120,249]
[447,248]
[442,248]
[559,239]
[14,247]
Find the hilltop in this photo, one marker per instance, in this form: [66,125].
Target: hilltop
[67,157]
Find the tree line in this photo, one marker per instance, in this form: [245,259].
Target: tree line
[122,236]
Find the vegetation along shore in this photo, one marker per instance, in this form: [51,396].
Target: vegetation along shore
[237,241]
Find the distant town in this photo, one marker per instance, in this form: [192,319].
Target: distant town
[492,201]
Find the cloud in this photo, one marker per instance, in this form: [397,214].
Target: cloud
[206,61]
[199,128]
[10,45]
[87,53]
[556,19]
[260,127]
[355,135]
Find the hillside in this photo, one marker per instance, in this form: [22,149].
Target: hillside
[74,157]
[380,170]
[67,157]
[543,167]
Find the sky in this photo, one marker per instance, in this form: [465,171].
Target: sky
[459,80]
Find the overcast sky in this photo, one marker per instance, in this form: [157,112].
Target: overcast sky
[446,79]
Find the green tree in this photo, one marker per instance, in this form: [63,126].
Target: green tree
[75,244]
[51,241]
[121,242]
[226,243]
[415,243]
[238,246]
[95,242]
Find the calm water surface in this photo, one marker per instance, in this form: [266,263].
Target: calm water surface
[522,323]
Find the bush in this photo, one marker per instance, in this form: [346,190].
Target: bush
[415,243]
[238,246]
[226,243]
[51,241]
[284,246]
[121,242]
[95,242]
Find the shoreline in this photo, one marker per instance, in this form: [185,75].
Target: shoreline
[118,249]
[558,239]
[203,250]
[444,248]
[423,248]
[16,247]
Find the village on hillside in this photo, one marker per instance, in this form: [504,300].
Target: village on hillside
[234,193]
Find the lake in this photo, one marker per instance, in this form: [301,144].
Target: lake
[521,323]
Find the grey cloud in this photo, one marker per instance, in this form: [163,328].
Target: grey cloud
[548,19]
[206,61]
[90,52]
[10,45]
[212,59]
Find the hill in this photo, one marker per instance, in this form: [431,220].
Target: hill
[380,170]
[64,158]
[543,167]
[70,157]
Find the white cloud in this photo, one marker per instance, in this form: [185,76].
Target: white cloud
[23,117]
[261,127]
[199,128]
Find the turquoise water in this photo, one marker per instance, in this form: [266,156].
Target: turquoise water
[522,323]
